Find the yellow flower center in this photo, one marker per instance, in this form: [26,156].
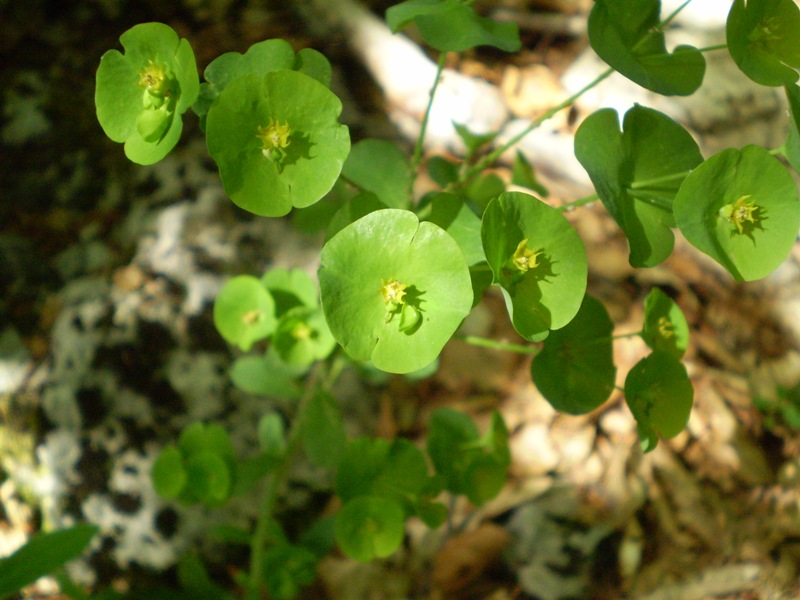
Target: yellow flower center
[153,79]
[741,212]
[274,135]
[666,328]
[524,258]
[392,292]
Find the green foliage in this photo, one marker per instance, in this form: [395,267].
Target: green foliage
[384,299]
[762,38]
[41,555]
[627,35]
[469,464]
[140,95]
[244,311]
[538,260]
[452,25]
[260,59]
[277,141]
[660,395]
[380,167]
[741,208]
[637,173]
[399,274]
[782,410]
[575,370]
[201,468]
[665,327]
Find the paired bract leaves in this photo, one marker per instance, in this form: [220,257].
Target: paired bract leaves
[393,289]
[452,25]
[244,312]
[470,464]
[763,40]
[665,327]
[627,35]
[141,94]
[660,395]
[277,141]
[261,58]
[637,173]
[741,208]
[575,370]
[538,260]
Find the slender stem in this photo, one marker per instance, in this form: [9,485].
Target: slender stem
[658,202]
[497,152]
[655,181]
[495,345]
[674,14]
[579,202]
[417,159]
[274,484]
[712,48]
[622,336]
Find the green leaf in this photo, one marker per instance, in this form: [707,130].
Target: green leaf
[368,528]
[473,141]
[762,39]
[659,393]
[351,211]
[244,312]
[538,260]
[364,269]
[665,327]
[140,95]
[290,288]
[376,467]
[41,555]
[452,214]
[267,375]
[468,464]
[202,437]
[523,175]
[442,171]
[168,474]
[380,167]
[277,141]
[209,478]
[453,26]
[637,173]
[484,189]
[628,36]
[272,434]
[741,208]
[323,434]
[575,370]
[287,570]
[261,58]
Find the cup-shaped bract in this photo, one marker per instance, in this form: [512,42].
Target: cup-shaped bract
[394,290]
[741,208]
[277,141]
[539,261]
[141,94]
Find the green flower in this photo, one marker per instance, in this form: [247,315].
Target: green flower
[141,94]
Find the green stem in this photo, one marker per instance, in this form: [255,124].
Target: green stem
[656,181]
[674,14]
[577,203]
[662,204]
[495,345]
[712,48]
[497,152]
[417,159]
[274,484]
